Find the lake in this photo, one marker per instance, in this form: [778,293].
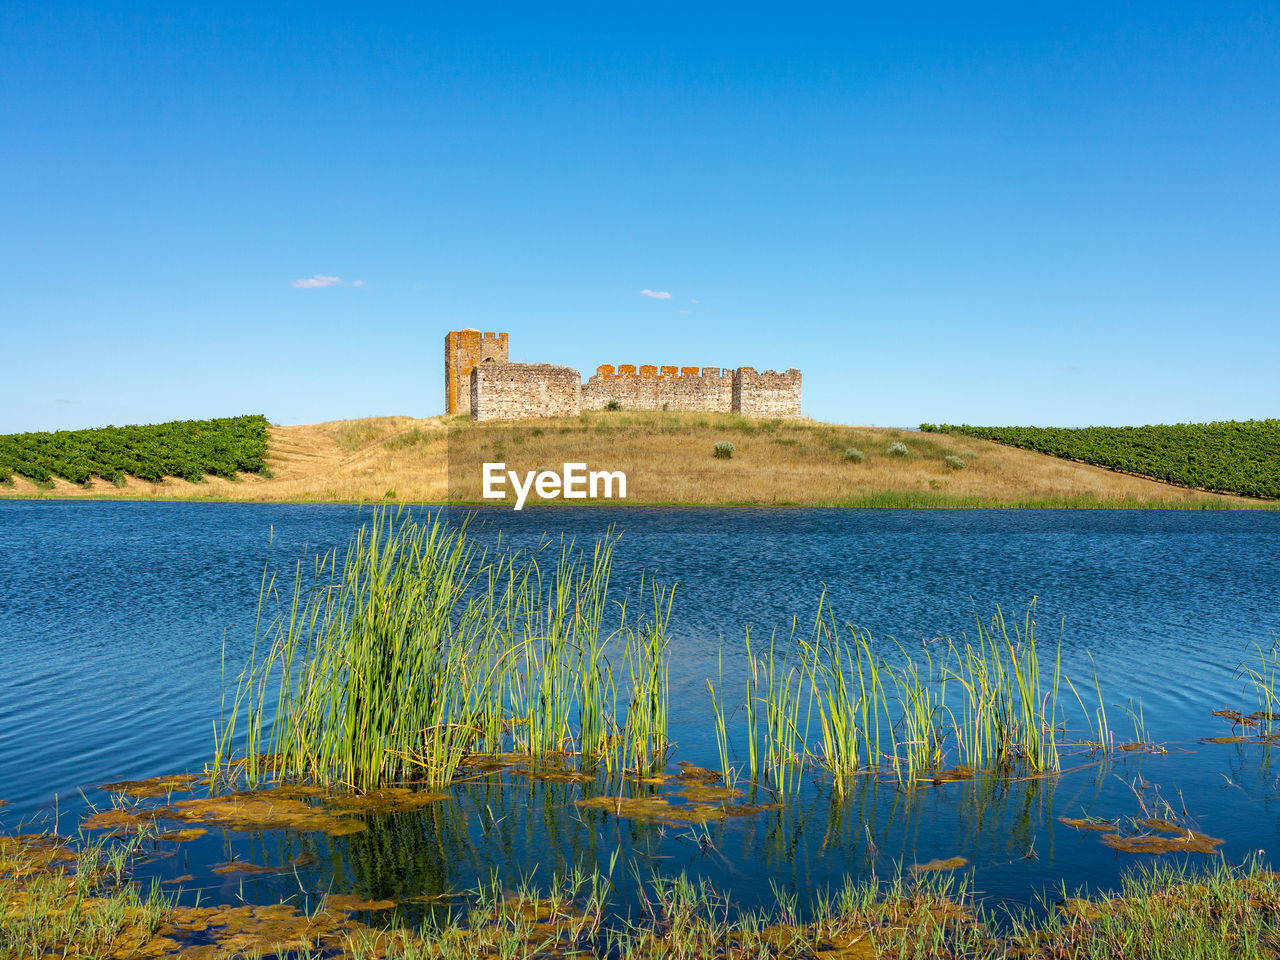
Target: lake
[115,618]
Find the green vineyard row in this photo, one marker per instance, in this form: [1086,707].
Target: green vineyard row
[1240,457]
[184,448]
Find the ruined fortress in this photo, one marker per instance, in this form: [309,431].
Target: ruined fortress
[482,381]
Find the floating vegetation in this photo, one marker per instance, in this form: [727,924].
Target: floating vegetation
[655,808]
[1084,823]
[120,819]
[154,787]
[937,866]
[351,903]
[264,810]
[1176,840]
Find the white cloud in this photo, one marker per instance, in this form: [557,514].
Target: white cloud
[656,294]
[686,311]
[320,280]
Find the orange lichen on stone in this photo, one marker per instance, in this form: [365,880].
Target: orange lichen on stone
[464,350]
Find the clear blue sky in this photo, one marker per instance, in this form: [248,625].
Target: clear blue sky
[1005,215]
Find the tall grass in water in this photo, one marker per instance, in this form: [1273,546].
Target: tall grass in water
[417,649]
[1100,736]
[645,741]
[1009,713]
[784,744]
[920,729]
[849,713]
[1262,673]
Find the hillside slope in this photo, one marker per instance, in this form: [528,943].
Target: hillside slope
[667,458]
[1234,456]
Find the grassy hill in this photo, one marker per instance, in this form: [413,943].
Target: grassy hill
[667,458]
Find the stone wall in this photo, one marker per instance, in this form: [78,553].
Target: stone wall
[660,388]
[463,350]
[480,381]
[767,394]
[518,391]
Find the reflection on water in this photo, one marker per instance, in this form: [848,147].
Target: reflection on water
[114,618]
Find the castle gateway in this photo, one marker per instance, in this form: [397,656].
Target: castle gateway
[481,381]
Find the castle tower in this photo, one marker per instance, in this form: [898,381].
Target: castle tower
[463,351]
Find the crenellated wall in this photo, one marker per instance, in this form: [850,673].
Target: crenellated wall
[766,394]
[659,388]
[515,391]
[481,381]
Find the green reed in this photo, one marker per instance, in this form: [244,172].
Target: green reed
[753,730]
[1100,736]
[1009,713]
[645,742]
[1261,673]
[784,744]
[849,709]
[417,649]
[919,732]
[728,772]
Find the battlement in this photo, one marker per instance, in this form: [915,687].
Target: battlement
[766,394]
[463,350]
[480,380]
[607,371]
[650,387]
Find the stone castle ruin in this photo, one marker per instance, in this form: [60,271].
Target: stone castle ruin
[482,381]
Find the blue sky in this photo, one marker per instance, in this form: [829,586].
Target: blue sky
[1007,214]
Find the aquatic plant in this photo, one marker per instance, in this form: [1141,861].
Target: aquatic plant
[849,717]
[784,744]
[1100,735]
[1009,714]
[1261,673]
[418,649]
[645,735]
[728,772]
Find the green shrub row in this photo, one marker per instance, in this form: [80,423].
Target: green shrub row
[183,448]
[1241,457]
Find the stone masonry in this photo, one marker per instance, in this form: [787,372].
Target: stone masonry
[480,380]
[463,351]
[660,388]
[514,391]
[768,394]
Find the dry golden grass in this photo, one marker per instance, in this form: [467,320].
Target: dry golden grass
[667,458]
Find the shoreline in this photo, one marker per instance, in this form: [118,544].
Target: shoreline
[908,502]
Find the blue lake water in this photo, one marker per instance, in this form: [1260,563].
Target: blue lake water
[114,618]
